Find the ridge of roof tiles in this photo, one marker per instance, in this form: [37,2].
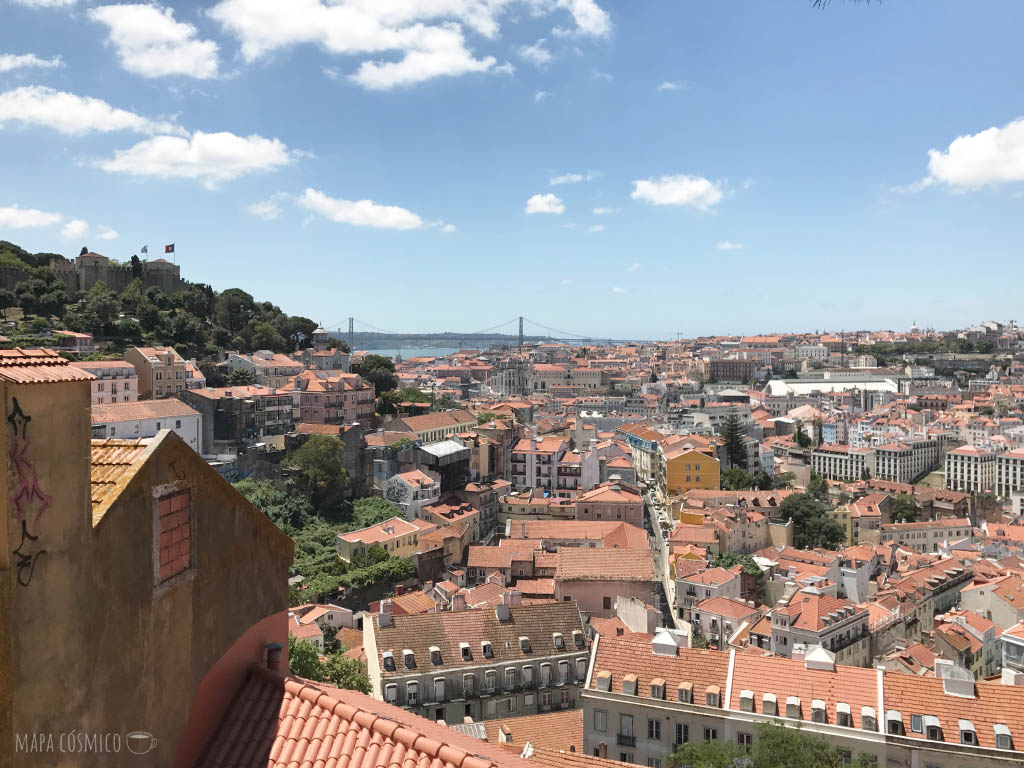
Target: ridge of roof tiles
[38,366]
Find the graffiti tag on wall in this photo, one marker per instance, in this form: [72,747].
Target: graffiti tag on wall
[28,500]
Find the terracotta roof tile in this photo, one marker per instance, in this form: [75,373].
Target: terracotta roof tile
[143,409]
[586,564]
[38,366]
[553,730]
[111,464]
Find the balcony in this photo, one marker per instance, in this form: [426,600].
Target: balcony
[625,740]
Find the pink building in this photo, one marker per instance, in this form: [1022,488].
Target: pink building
[116,381]
[331,397]
[594,578]
[611,501]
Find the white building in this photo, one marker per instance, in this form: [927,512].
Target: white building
[145,418]
[971,469]
[116,381]
[1010,472]
[412,491]
[842,462]
[905,461]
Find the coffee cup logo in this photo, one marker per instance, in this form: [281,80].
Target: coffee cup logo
[140,742]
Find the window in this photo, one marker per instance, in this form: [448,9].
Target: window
[654,729]
[487,650]
[177,423]
[439,689]
[409,658]
[491,680]
[467,654]
[559,641]
[509,705]
[468,685]
[391,694]
[389,661]
[916,725]
[581,669]
[435,652]
[601,720]
[682,733]
[412,693]
[710,734]
[524,644]
[545,700]
[528,677]
[606,602]
[563,672]
[744,739]
[510,678]
[653,762]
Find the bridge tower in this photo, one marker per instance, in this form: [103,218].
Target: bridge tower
[351,335]
[520,331]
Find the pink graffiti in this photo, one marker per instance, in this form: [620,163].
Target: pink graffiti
[27,495]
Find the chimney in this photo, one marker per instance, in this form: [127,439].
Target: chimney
[385,619]
[399,590]
[274,656]
[1011,677]
[459,602]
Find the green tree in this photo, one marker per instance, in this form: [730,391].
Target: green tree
[487,417]
[241,377]
[398,446]
[136,267]
[319,473]
[234,309]
[865,474]
[818,487]
[904,509]
[379,371]
[8,299]
[373,510]
[42,293]
[812,526]
[736,480]
[800,437]
[343,672]
[735,440]
[447,403]
[784,481]
[729,559]
[266,336]
[763,481]
[774,746]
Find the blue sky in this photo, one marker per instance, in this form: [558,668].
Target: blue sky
[727,166]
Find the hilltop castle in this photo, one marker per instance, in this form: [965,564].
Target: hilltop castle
[91,268]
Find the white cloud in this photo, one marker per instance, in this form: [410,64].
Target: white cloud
[605,211]
[106,233]
[633,267]
[992,156]
[71,114]
[547,203]
[151,43]
[572,178]
[508,68]
[427,36]
[565,281]
[596,228]
[671,85]
[265,209]
[359,213]
[618,289]
[726,245]
[44,3]
[210,158]
[536,54]
[694,191]
[332,73]
[10,62]
[447,228]
[14,217]
[74,229]
[599,75]
[539,95]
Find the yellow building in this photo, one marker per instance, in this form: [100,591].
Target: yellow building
[396,536]
[686,468]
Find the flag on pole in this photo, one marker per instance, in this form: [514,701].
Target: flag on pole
[169,248]
[145,249]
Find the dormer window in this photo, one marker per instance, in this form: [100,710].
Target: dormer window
[487,649]
[629,685]
[559,641]
[435,655]
[746,701]
[818,711]
[867,719]
[577,639]
[843,717]
[409,658]
[657,688]
[389,661]
[713,696]
[769,705]
[524,644]
[465,651]
[686,693]
[604,680]
[967,733]
[894,723]
[793,707]
[1003,738]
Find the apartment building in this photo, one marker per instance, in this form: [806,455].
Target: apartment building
[485,663]
[645,697]
[971,469]
[271,369]
[716,619]
[145,418]
[929,535]
[687,465]
[1001,599]
[535,461]
[595,578]
[432,427]
[412,491]
[706,583]
[331,397]
[161,371]
[810,618]
[1010,472]
[970,641]
[396,536]
[236,416]
[843,462]
[907,460]
[116,380]
[611,501]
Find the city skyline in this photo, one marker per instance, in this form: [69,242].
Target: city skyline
[684,165]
